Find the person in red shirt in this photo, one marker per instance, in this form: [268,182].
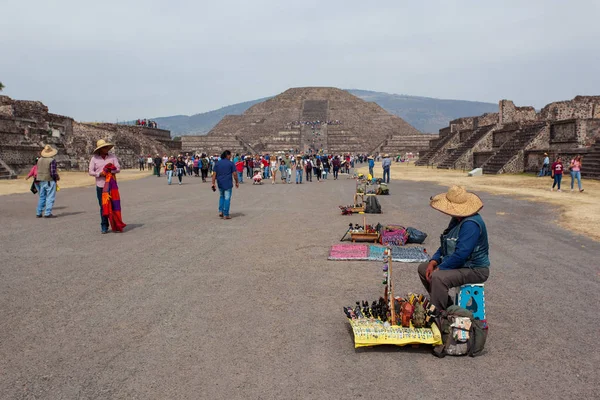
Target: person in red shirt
[557,173]
[239,167]
[265,165]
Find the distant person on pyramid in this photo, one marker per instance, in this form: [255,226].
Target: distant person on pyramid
[386,164]
[100,159]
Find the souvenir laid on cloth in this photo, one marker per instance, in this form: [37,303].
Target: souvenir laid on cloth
[355,252]
[395,235]
[111,200]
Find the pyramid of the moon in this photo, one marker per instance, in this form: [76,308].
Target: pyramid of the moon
[311,118]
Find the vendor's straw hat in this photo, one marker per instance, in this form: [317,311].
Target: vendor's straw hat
[545,154]
[102,143]
[457,202]
[49,151]
[386,155]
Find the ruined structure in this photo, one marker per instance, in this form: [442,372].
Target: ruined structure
[516,138]
[280,124]
[27,126]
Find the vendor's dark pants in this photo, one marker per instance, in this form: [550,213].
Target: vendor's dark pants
[103,220]
[443,280]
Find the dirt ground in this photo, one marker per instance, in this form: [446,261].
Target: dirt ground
[578,212]
[184,305]
[67,180]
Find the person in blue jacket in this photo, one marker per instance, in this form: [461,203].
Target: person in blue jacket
[371,165]
[463,256]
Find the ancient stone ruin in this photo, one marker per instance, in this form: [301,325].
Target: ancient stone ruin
[311,118]
[27,126]
[515,139]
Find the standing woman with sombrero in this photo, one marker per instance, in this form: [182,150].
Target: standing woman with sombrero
[101,164]
[463,256]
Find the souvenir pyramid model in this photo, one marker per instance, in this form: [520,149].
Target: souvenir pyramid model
[393,320]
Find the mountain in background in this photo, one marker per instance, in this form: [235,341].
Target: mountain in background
[424,113]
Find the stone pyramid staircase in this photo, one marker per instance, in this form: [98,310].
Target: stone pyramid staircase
[591,163]
[6,172]
[511,148]
[439,145]
[477,134]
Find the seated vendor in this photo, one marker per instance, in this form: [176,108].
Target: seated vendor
[463,257]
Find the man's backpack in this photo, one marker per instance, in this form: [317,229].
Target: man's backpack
[204,164]
[473,346]
[372,205]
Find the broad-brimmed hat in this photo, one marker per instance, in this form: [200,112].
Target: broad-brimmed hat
[370,158]
[545,154]
[386,155]
[457,202]
[48,151]
[102,143]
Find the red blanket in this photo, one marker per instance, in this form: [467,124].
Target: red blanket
[111,200]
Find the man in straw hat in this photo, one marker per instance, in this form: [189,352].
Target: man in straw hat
[100,158]
[47,177]
[545,166]
[371,162]
[386,164]
[463,256]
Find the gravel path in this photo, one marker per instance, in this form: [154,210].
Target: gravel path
[185,305]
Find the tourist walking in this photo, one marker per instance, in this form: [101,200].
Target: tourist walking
[141,160]
[336,167]
[386,164]
[463,256]
[309,168]
[249,167]
[326,166]
[196,166]
[557,173]
[371,165]
[204,167]
[288,169]
[100,159]
[180,165]
[317,168]
[576,172]
[169,170]
[35,186]
[223,171]
[47,176]
[239,167]
[190,166]
[157,165]
[274,168]
[545,166]
[299,169]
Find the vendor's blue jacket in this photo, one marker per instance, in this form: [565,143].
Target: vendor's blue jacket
[371,163]
[464,244]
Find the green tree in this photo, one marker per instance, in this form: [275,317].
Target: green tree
[1,86]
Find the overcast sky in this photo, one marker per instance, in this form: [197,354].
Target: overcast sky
[108,60]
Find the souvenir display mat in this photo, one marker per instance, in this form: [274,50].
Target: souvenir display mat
[371,332]
[365,252]
[345,252]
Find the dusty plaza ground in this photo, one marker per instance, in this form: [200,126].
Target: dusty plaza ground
[185,305]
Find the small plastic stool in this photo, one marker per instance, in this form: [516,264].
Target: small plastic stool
[472,298]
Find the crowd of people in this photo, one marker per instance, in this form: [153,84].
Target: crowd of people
[315,123]
[282,168]
[147,123]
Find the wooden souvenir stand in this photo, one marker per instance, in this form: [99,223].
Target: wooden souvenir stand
[373,332]
[364,236]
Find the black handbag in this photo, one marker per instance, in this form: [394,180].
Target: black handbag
[33,188]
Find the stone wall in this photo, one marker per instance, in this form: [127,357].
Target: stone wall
[27,126]
[509,113]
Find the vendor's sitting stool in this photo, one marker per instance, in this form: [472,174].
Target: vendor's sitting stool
[472,298]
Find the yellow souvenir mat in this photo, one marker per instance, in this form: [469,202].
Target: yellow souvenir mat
[370,332]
